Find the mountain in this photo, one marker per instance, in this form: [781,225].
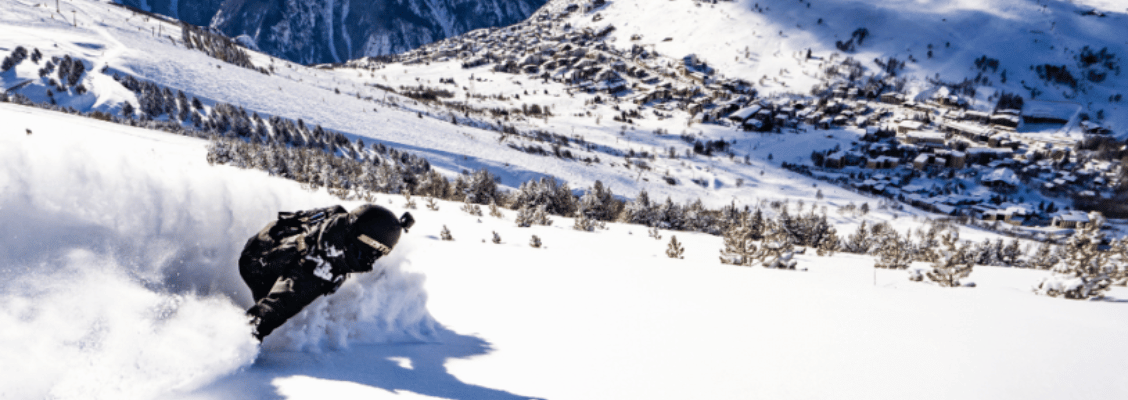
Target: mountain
[331,31]
[195,12]
[327,31]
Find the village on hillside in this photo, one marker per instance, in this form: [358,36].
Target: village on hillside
[1025,164]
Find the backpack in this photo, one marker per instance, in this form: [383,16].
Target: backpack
[279,248]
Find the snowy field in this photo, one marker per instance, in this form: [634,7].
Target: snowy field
[121,244]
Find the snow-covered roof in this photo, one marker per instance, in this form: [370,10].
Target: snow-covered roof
[1073,216]
[1004,175]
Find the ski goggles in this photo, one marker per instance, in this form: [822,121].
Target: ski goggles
[380,247]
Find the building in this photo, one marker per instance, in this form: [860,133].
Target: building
[908,126]
[1071,220]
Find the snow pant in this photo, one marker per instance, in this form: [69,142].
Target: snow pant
[286,298]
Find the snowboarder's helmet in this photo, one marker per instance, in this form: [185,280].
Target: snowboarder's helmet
[377,229]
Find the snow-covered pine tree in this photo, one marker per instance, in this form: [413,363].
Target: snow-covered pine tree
[653,232]
[893,251]
[640,211]
[829,243]
[740,247]
[1118,261]
[1083,271]
[777,250]
[1011,255]
[535,242]
[598,203]
[1045,257]
[950,261]
[859,242]
[675,249]
[528,216]
[496,238]
[432,204]
[582,222]
[445,234]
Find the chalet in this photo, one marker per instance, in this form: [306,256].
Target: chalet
[744,114]
[835,160]
[1006,120]
[907,126]
[892,98]
[1001,178]
[1071,220]
[974,132]
[976,116]
[882,162]
[924,138]
[1091,128]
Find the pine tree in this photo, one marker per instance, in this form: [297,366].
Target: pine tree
[950,263]
[529,216]
[1118,262]
[740,247]
[829,243]
[496,238]
[1011,254]
[582,222]
[1083,271]
[445,234]
[675,249]
[653,232]
[893,251]
[432,204]
[777,251]
[1045,257]
[859,242]
[535,242]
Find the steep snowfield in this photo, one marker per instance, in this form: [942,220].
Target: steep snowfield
[121,245]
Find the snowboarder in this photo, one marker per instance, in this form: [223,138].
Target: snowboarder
[307,254]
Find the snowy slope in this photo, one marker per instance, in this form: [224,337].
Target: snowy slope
[121,246]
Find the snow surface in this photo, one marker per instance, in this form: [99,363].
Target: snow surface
[121,246]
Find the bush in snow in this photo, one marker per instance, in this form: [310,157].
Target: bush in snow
[496,238]
[535,242]
[445,234]
[432,204]
[653,232]
[409,203]
[950,261]
[675,249]
[494,211]
[471,208]
[1084,271]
